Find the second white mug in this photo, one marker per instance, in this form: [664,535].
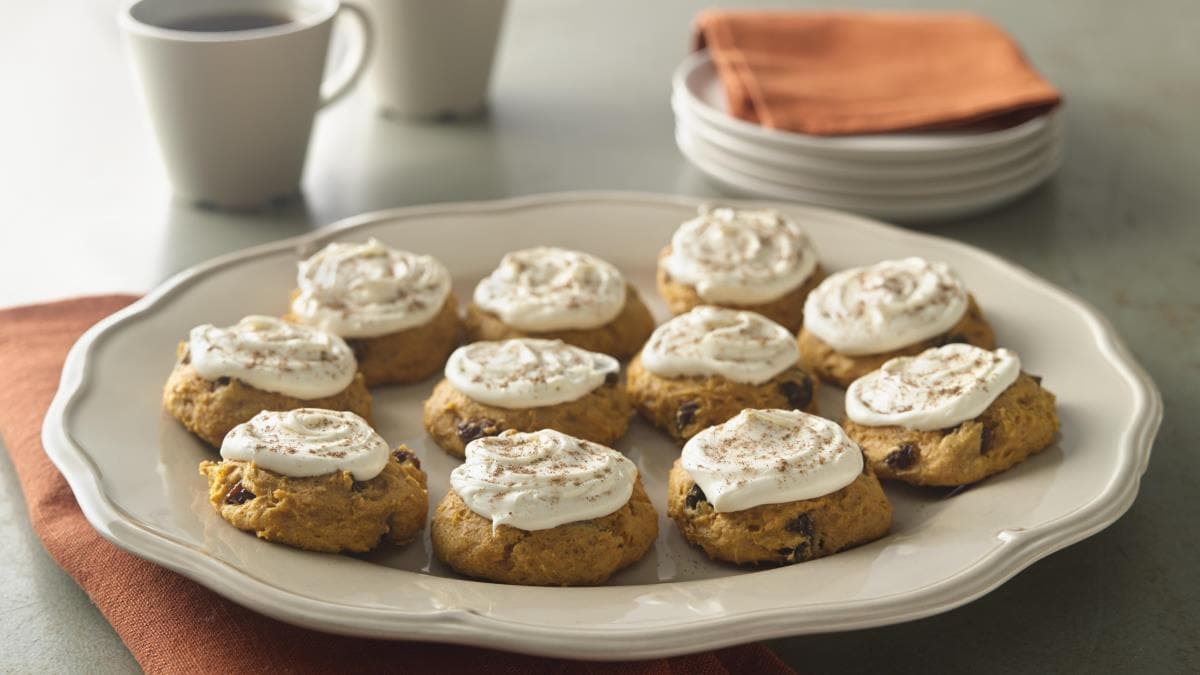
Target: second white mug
[435,56]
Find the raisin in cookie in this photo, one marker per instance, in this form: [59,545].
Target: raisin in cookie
[394,308]
[543,509]
[859,318]
[951,415]
[775,487]
[527,384]
[556,294]
[225,376]
[707,365]
[319,480]
[750,259]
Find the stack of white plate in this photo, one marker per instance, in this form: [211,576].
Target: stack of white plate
[902,176]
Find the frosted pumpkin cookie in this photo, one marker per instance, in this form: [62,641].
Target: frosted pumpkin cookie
[757,260]
[319,480]
[225,376]
[859,318]
[557,294]
[527,384]
[707,365]
[949,416]
[775,487]
[394,308]
[544,509]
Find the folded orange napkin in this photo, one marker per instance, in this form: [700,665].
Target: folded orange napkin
[829,73]
[172,625]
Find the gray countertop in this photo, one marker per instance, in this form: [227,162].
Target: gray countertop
[581,102]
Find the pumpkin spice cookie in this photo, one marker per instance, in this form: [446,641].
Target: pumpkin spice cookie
[543,509]
[319,480]
[394,308]
[859,318]
[703,367]
[952,415]
[527,384]
[225,376]
[775,487]
[556,294]
[756,260]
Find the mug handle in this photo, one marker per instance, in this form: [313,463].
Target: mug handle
[351,68]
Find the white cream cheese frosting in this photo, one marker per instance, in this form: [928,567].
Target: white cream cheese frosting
[368,290]
[540,480]
[308,442]
[528,372]
[707,341]
[546,288]
[740,256]
[771,457]
[886,306]
[273,355]
[936,389]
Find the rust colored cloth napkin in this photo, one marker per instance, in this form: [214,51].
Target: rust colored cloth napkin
[831,73]
[172,625]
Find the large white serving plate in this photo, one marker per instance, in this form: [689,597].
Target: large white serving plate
[133,469]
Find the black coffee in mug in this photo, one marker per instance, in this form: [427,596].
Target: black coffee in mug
[227,22]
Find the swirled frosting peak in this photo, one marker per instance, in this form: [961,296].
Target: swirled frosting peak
[936,389]
[368,290]
[308,442]
[771,457]
[740,346]
[886,306]
[546,288]
[273,355]
[740,256]
[539,480]
[527,372]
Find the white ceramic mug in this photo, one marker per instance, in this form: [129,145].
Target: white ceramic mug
[435,56]
[233,86]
